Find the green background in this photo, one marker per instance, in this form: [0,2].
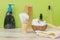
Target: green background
[39,6]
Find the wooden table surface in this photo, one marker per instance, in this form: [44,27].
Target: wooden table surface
[15,34]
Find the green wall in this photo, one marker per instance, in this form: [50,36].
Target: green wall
[39,6]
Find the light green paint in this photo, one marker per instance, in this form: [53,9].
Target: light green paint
[39,6]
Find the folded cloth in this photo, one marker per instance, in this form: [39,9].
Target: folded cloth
[24,17]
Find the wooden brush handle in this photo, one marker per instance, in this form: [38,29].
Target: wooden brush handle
[53,26]
[50,9]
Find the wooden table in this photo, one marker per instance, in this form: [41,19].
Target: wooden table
[15,34]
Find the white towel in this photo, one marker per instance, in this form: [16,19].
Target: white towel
[36,23]
[24,17]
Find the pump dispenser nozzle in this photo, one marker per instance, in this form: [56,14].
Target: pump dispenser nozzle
[49,7]
[10,7]
[41,16]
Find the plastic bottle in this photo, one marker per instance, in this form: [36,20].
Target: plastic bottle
[9,21]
